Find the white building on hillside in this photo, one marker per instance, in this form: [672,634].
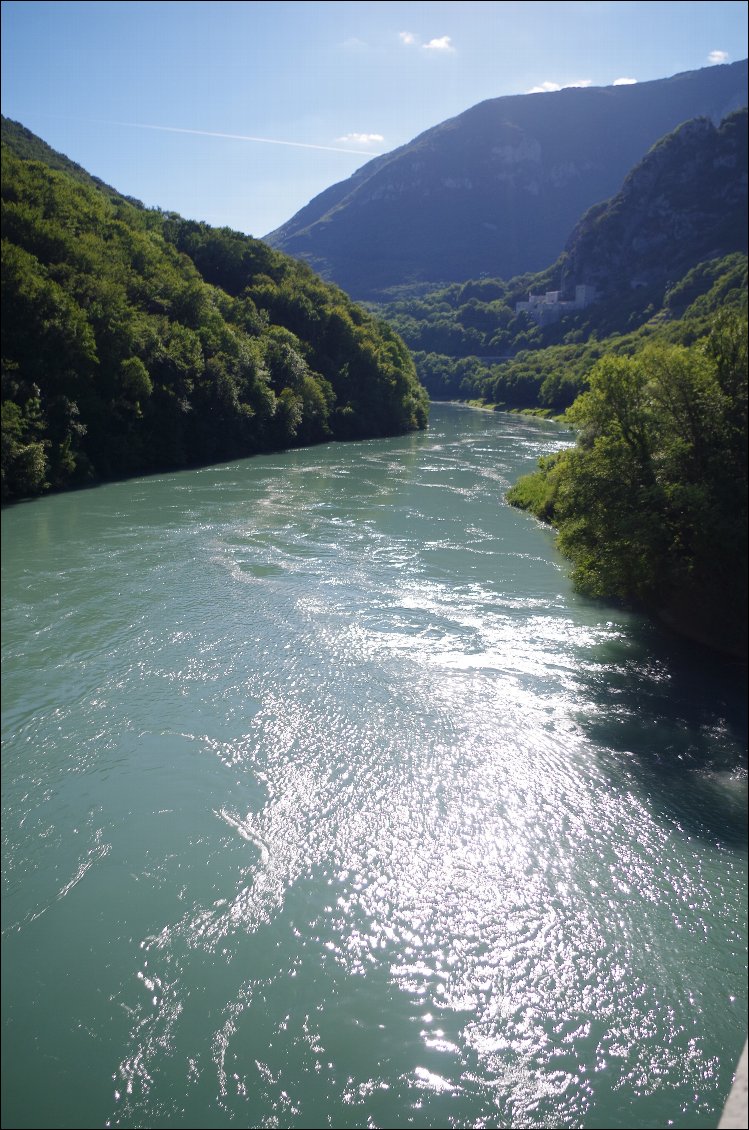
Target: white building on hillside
[549,307]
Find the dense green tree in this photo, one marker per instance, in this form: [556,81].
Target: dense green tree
[134,341]
[651,503]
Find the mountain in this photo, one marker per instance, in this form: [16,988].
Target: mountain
[497,189]
[685,202]
[134,341]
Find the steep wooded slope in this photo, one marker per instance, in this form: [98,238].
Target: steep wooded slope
[686,201]
[135,341]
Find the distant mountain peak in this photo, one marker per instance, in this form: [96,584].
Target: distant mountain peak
[497,189]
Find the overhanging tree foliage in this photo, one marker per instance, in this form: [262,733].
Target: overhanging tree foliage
[651,503]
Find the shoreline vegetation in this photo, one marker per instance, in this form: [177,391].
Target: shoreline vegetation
[485,406]
[650,504]
[675,584]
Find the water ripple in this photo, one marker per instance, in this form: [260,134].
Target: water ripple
[352,813]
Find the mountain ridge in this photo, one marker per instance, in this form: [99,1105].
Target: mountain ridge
[497,189]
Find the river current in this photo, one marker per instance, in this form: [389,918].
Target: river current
[327,802]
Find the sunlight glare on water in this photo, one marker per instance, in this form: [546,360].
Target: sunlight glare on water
[327,802]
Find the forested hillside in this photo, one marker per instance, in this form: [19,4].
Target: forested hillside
[547,367]
[135,341]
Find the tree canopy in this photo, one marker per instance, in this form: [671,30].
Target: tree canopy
[136,341]
[651,503]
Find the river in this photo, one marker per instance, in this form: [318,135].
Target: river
[327,802]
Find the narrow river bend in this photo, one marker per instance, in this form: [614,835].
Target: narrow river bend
[328,803]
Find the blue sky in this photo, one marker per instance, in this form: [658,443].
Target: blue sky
[340,80]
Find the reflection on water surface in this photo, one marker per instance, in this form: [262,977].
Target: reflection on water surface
[329,803]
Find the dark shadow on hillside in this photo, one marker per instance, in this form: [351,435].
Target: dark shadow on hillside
[674,715]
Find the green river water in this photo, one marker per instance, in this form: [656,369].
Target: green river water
[328,803]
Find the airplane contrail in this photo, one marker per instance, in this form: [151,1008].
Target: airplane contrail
[246,137]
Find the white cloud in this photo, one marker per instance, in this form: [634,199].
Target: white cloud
[441,44]
[361,138]
[624,81]
[550,87]
[407,37]
[718,57]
